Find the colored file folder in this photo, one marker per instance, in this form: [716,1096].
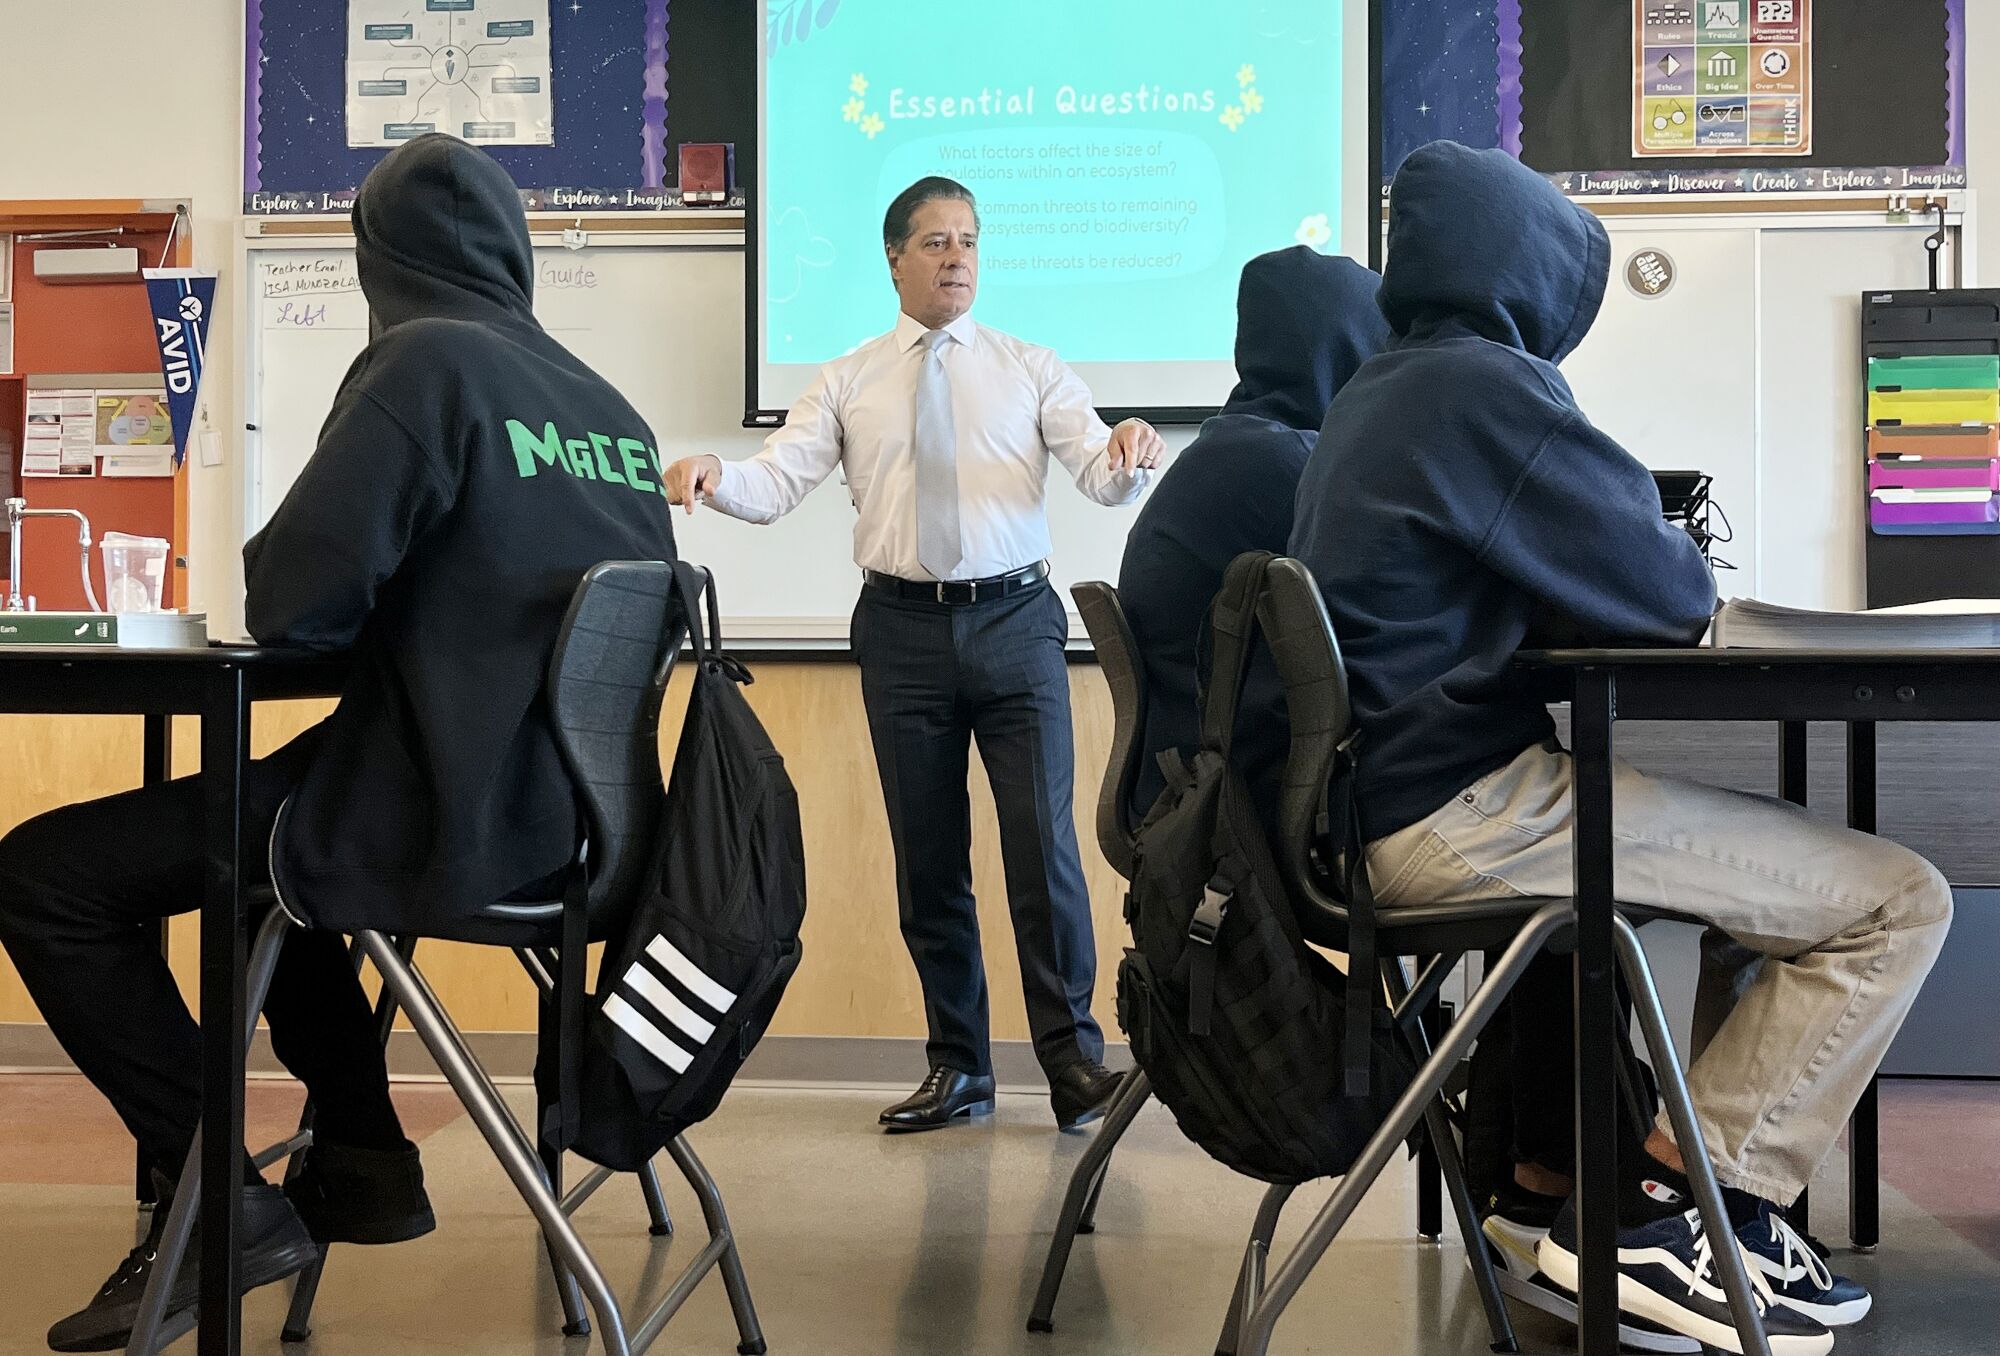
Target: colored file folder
[1892,475]
[1883,513]
[1935,372]
[1962,443]
[1934,407]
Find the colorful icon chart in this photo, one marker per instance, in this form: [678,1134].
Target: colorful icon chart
[1934,444]
[1722,77]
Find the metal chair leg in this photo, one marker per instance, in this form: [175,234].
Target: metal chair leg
[1687,1134]
[575,1322]
[662,1224]
[1249,1281]
[1451,1171]
[502,1132]
[179,1228]
[1080,1200]
[749,1332]
[1409,1109]
[1430,1152]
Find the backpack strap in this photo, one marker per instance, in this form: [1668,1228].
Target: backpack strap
[1365,1009]
[1203,930]
[560,1034]
[692,583]
[1232,621]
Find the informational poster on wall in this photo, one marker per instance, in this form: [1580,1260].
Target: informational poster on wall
[478,69]
[1612,97]
[1722,77]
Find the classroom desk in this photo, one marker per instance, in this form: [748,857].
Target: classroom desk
[1791,687]
[218,684]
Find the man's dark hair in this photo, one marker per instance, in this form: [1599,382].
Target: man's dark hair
[931,188]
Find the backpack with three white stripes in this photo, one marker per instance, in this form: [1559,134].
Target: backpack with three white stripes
[692,978]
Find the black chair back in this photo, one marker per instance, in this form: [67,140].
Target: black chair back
[1295,624]
[1125,673]
[607,680]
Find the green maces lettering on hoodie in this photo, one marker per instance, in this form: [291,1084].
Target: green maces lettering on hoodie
[630,452]
[605,471]
[587,458]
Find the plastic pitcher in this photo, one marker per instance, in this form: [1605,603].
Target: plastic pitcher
[135,572]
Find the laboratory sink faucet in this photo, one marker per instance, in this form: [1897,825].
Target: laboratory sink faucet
[17,512]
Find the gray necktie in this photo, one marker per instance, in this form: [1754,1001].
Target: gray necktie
[939,549]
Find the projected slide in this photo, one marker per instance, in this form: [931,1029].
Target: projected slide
[1128,157]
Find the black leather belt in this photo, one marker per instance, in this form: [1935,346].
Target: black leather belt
[958,592]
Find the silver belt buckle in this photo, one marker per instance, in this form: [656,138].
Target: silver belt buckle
[940,592]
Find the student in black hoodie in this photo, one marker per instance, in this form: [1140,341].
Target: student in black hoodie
[470,472]
[1458,497]
[1304,322]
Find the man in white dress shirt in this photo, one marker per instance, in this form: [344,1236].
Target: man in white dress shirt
[945,429]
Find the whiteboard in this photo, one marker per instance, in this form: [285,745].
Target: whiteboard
[664,324]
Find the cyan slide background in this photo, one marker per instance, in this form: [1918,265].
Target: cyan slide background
[1272,180]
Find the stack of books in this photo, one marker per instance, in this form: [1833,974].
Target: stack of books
[1952,624]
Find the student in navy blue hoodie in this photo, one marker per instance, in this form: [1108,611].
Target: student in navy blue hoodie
[1304,322]
[1457,500]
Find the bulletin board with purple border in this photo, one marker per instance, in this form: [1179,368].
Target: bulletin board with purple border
[1688,97]
[608,91]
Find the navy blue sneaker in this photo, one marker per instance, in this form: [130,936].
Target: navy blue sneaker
[1798,1278]
[1667,1276]
[1512,1245]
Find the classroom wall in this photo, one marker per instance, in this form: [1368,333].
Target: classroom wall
[177,133]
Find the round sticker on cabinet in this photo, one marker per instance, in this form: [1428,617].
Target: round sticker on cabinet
[1650,273]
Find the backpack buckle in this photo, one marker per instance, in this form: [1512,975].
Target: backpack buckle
[1206,925]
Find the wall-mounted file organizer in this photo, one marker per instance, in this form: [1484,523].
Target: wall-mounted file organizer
[1932,457]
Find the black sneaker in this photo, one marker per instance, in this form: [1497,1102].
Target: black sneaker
[1666,1276]
[1512,1244]
[275,1245]
[349,1195]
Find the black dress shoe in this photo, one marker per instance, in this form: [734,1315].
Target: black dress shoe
[350,1195]
[275,1245]
[1080,1092]
[945,1095]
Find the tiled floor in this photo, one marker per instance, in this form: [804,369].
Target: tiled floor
[861,1245]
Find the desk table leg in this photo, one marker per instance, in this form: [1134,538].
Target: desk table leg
[1792,750]
[225,748]
[156,766]
[1864,1131]
[1597,1027]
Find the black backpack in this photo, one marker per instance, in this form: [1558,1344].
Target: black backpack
[1240,1026]
[693,974]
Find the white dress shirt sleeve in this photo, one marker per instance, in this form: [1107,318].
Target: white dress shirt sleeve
[1077,437]
[793,462]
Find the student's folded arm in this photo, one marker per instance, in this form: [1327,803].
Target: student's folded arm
[1583,531]
[794,461]
[369,491]
[1075,435]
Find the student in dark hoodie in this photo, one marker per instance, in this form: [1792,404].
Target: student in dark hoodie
[1304,322]
[1458,497]
[470,472]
